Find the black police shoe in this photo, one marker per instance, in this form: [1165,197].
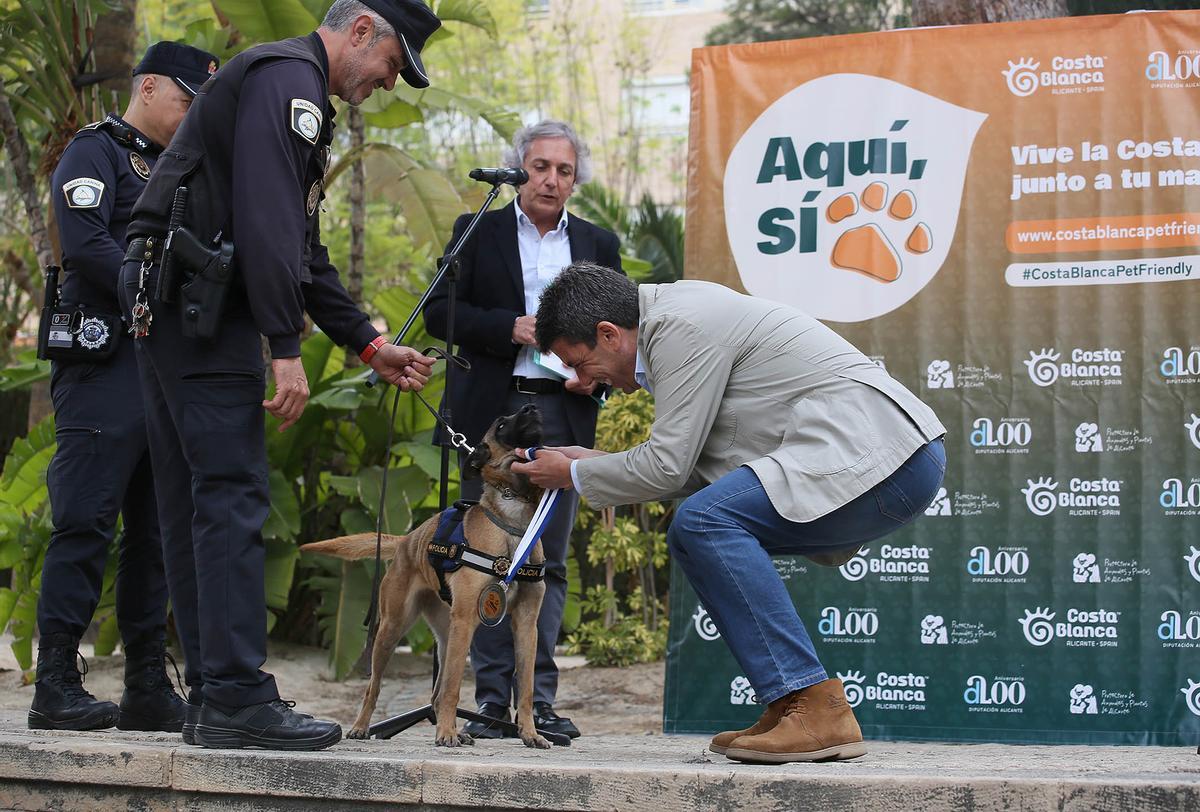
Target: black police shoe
[150,701]
[483,730]
[59,699]
[544,718]
[273,725]
[191,717]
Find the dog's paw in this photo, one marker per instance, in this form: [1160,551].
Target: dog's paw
[358,733]
[453,739]
[537,741]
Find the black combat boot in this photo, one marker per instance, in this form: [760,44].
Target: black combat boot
[150,701]
[59,700]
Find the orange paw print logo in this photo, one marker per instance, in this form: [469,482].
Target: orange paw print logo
[866,249]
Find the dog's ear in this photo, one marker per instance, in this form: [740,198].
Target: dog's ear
[476,460]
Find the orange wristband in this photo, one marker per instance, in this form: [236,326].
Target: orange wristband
[369,351]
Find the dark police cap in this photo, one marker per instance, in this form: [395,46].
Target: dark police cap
[189,67]
[414,23]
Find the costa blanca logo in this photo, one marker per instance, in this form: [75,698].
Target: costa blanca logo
[888,691]
[741,692]
[1191,695]
[1180,365]
[1193,562]
[851,214]
[938,375]
[891,564]
[1067,74]
[933,631]
[1004,565]
[1085,570]
[1178,630]
[1087,438]
[1083,699]
[1082,628]
[1193,430]
[940,506]
[704,624]
[849,625]
[1000,694]
[852,684]
[1022,77]
[1083,497]
[1179,498]
[1087,367]
[1011,435]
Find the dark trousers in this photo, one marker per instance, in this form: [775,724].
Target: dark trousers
[492,648]
[205,419]
[100,469]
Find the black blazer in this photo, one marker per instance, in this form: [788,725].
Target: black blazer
[490,297]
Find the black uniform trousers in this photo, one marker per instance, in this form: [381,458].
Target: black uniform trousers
[205,419]
[492,656]
[101,468]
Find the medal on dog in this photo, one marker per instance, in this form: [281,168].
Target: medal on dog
[493,604]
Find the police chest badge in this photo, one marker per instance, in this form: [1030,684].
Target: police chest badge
[83,193]
[314,197]
[140,167]
[493,603]
[306,120]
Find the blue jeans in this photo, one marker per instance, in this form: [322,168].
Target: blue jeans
[724,536]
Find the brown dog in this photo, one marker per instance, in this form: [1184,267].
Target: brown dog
[410,587]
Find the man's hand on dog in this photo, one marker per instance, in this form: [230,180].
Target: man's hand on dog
[402,366]
[291,391]
[552,466]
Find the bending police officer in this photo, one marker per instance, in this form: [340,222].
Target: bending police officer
[101,467]
[252,153]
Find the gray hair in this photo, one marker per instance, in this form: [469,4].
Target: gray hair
[343,12]
[514,156]
[579,298]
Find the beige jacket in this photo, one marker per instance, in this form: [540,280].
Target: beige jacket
[745,381]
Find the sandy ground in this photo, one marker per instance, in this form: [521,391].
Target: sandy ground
[599,700]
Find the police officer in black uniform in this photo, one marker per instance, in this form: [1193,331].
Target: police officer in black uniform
[252,153]
[101,467]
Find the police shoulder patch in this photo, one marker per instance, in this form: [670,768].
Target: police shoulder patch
[305,120]
[83,193]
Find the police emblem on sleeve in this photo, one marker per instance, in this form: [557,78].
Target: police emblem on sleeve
[93,334]
[306,120]
[314,197]
[83,193]
[139,166]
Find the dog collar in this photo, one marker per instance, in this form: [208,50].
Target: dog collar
[507,528]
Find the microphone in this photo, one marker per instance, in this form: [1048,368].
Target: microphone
[515,176]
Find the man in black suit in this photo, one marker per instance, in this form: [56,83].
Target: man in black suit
[513,254]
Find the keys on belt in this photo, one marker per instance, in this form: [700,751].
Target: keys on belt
[536,386]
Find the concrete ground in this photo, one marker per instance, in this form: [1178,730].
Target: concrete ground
[117,770]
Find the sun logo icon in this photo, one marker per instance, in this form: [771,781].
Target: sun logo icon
[1022,77]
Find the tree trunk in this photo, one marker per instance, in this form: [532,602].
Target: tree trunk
[608,518]
[115,46]
[962,12]
[18,156]
[358,218]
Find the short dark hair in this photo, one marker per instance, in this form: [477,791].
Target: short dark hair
[580,297]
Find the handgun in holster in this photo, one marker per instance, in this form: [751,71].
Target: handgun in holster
[209,274]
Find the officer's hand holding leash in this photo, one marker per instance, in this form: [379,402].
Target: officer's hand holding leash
[291,391]
[402,366]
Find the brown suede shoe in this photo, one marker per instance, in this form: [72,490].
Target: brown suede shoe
[817,725]
[770,717]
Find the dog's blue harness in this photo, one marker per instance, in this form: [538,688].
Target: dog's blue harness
[449,549]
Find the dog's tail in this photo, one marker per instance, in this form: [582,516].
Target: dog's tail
[351,548]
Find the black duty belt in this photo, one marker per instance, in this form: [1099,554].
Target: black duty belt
[536,386]
[137,250]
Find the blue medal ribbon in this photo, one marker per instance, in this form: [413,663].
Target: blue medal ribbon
[541,517]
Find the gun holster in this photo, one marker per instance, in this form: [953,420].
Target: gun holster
[208,273]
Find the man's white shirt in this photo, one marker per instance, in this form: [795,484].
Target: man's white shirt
[542,259]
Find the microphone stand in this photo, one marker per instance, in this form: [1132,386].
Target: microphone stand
[448,267]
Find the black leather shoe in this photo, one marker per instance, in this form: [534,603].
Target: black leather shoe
[482,730]
[273,725]
[191,718]
[544,718]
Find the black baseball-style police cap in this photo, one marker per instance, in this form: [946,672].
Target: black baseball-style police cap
[414,23]
[189,67]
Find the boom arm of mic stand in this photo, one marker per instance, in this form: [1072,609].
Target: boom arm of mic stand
[373,378]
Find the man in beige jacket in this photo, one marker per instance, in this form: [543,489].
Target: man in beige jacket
[785,440]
